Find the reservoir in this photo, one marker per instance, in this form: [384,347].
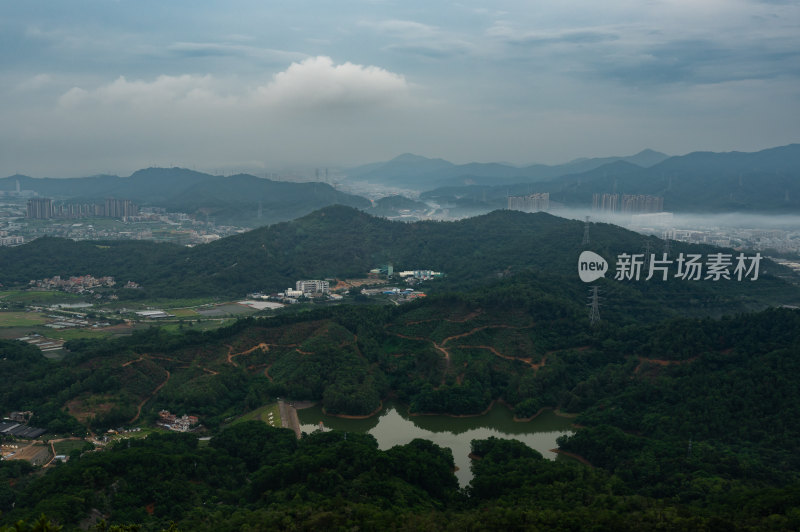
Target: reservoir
[393,426]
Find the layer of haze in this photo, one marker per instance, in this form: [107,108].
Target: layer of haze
[100,86]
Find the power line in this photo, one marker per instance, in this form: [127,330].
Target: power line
[594,307]
[586,232]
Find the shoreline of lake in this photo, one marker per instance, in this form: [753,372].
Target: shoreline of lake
[393,426]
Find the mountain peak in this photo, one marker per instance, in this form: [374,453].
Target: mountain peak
[171,173]
[648,152]
[412,158]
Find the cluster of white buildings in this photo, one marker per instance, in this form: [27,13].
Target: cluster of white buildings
[6,240]
[530,203]
[173,422]
[306,288]
[756,239]
[419,275]
[74,284]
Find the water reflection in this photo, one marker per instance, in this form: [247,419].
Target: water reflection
[393,426]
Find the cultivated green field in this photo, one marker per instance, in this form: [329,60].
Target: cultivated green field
[66,447]
[162,303]
[198,325]
[74,334]
[35,297]
[21,319]
[184,312]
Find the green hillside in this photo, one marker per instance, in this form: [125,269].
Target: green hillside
[240,199]
[700,182]
[645,393]
[343,242]
[421,173]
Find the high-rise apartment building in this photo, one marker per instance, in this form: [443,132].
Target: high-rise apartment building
[605,202]
[530,203]
[641,203]
[40,208]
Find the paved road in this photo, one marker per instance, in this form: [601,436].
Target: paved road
[289,419]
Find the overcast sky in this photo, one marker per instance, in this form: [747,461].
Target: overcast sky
[103,86]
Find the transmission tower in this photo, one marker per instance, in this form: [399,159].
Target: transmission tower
[594,307]
[586,232]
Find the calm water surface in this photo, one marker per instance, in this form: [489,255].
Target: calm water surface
[393,426]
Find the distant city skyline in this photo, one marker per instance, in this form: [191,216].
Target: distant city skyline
[93,87]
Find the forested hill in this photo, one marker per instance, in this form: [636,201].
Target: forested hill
[690,424]
[766,182]
[422,173]
[240,199]
[344,242]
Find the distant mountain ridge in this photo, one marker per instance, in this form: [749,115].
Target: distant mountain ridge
[763,181]
[240,199]
[417,172]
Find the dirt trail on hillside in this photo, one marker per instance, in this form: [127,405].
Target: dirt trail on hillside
[263,346]
[152,357]
[447,358]
[158,389]
[466,318]
[128,363]
[661,362]
[528,361]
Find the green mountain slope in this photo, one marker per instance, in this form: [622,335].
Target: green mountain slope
[239,199]
[422,173]
[689,423]
[766,181]
[343,242]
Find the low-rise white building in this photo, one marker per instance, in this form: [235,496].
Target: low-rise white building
[313,286]
[152,314]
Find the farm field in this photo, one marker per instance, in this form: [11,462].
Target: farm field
[38,297]
[21,319]
[66,447]
[226,310]
[184,312]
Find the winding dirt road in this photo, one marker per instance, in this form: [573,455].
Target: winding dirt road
[154,392]
[442,349]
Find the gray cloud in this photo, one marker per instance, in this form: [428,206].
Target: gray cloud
[435,50]
[415,38]
[102,86]
[703,62]
[222,49]
[567,37]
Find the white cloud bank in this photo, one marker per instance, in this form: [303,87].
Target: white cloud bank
[317,82]
[314,111]
[310,84]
